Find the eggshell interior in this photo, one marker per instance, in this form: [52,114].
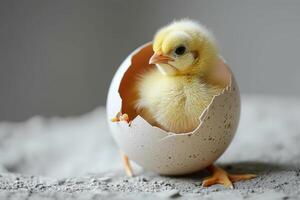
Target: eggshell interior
[164,152]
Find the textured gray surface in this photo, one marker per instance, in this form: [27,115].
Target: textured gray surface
[75,158]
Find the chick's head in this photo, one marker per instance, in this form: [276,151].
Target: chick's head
[183,47]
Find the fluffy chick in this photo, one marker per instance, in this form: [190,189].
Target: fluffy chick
[173,95]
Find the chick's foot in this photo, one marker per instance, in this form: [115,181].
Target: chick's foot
[220,176]
[121,117]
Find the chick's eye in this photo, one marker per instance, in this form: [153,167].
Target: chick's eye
[180,50]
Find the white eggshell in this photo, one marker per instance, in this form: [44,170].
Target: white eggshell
[163,152]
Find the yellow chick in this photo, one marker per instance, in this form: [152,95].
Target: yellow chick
[173,95]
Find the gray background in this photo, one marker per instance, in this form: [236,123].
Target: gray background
[58,57]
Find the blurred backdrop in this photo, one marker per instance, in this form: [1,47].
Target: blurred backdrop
[58,57]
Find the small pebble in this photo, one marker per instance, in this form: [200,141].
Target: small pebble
[104,179]
[93,180]
[79,182]
[170,193]
[198,184]
[61,181]
[144,179]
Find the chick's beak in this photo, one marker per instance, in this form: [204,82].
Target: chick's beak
[158,58]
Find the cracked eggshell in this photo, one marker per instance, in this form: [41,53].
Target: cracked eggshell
[164,152]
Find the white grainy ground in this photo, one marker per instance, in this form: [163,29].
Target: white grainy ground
[75,158]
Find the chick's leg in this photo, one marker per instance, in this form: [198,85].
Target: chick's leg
[124,117]
[127,166]
[121,117]
[220,176]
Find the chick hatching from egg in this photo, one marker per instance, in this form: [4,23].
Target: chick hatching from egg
[172,95]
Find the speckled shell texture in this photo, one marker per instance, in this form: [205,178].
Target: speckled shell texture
[174,154]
